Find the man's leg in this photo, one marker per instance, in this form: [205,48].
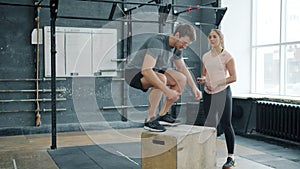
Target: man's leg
[154,95]
[176,81]
[154,99]
[151,123]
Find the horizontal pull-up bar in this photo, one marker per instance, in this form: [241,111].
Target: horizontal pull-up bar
[143,4]
[198,8]
[187,10]
[121,2]
[103,19]
[24,5]
[124,20]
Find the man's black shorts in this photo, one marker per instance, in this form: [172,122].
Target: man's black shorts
[133,77]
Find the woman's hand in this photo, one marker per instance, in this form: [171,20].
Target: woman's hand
[210,88]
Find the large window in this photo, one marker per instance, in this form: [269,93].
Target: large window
[276,47]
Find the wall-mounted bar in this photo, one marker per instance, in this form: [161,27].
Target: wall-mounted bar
[119,60]
[118,79]
[40,110]
[139,106]
[122,107]
[121,70]
[111,70]
[24,80]
[29,91]
[31,100]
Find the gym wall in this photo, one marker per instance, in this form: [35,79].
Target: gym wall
[18,67]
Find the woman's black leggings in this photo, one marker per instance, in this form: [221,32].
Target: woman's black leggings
[218,108]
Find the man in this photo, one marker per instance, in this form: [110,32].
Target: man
[151,68]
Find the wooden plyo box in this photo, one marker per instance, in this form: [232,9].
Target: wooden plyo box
[180,147]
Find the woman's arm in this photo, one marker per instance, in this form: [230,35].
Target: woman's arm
[231,70]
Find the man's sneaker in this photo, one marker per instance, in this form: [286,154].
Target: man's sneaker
[153,125]
[229,163]
[168,120]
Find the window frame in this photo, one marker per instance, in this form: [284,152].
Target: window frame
[282,54]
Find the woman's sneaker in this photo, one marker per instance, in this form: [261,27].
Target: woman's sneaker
[168,120]
[229,163]
[153,125]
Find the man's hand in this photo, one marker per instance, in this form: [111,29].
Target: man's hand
[197,93]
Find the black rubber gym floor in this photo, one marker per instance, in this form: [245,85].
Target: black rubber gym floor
[128,155]
[105,156]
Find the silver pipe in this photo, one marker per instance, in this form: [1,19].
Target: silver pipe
[122,107]
[125,107]
[57,109]
[185,103]
[120,70]
[31,100]
[118,60]
[118,79]
[110,70]
[22,80]
[41,110]
[191,68]
[25,91]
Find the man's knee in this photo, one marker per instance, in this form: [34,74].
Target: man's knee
[176,78]
[162,77]
[182,80]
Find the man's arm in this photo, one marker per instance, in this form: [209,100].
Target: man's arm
[181,67]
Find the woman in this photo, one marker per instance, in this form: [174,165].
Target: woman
[217,73]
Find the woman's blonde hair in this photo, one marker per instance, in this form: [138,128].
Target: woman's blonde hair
[220,34]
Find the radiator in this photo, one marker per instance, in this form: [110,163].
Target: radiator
[280,120]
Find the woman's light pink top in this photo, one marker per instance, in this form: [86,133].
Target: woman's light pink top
[216,71]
